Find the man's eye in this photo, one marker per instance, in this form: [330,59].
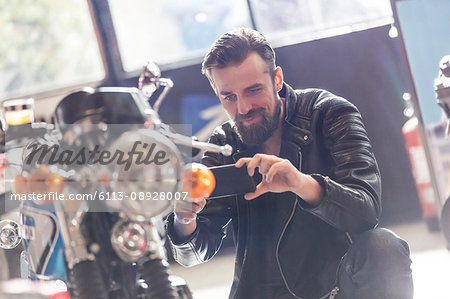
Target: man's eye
[230,98]
[253,91]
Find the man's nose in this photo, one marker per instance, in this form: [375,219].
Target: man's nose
[243,106]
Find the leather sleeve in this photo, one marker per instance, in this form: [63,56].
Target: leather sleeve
[352,191]
[212,221]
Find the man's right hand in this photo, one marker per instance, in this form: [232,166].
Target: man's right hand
[186,214]
[186,210]
[198,182]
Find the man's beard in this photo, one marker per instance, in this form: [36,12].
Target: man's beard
[258,133]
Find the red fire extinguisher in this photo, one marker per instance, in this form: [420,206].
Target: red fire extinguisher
[421,172]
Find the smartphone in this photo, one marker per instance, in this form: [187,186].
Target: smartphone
[231,180]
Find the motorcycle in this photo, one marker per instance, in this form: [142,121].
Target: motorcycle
[94,189]
[442,90]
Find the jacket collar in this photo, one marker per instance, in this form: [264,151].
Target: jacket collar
[288,93]
[291,130]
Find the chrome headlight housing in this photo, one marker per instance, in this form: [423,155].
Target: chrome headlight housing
[149,176]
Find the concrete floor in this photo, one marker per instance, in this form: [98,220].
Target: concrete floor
[431,267]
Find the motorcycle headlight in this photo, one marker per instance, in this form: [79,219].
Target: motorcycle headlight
[148,178]
[9,234]
[18,112]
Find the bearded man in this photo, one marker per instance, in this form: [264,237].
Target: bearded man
[309,229]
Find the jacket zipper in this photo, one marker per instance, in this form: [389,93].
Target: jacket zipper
[335,290]
[278,247]
[300,157]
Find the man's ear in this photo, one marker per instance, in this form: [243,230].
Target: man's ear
[278,78]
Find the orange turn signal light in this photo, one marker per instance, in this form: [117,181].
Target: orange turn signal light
[20,185]
[41,180]
[198,181]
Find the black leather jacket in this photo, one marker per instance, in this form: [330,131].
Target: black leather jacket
[323,135]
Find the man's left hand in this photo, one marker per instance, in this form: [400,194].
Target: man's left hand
[279,175]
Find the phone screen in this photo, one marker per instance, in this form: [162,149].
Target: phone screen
[231,180]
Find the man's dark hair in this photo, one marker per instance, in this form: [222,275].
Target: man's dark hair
[234,46]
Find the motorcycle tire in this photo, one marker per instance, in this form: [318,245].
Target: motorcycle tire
[156,274]
[87,281]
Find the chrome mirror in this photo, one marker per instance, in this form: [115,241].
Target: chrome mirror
[150,80]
